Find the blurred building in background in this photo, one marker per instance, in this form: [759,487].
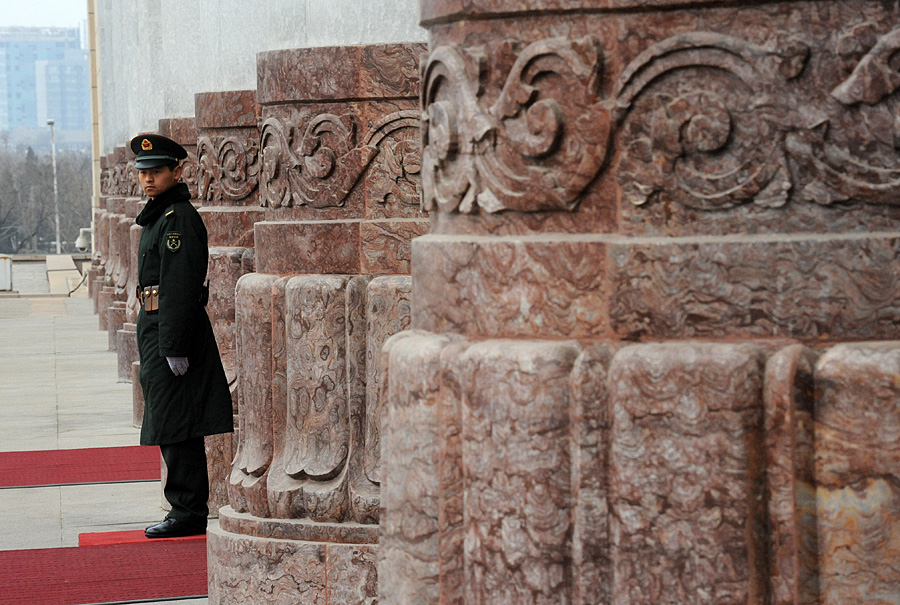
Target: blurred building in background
[44,73]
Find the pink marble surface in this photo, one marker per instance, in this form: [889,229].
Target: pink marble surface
[502,287]
[790,449]
[393,178]
[686,472]
[335,73]
[105,299]
[219,455]
[226,109]
[253,310]
[297,529]
[817,288]
[126,350]
[721,176]
[387,313]
[516,461]
[811,288]
[279,485]
[242,570]
[793,87]
[134,239]
[592,566]
[230,226]
[223,272]
[363,493]
[137,395]
[451,495]
[115,314]
[315,444]
[228,165]
[284,248]
[353,159]
[386,246]
[410,563]
[857,461]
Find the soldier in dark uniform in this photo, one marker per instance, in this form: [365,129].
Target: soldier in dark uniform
[185,390]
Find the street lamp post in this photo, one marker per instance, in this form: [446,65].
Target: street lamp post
[55,186]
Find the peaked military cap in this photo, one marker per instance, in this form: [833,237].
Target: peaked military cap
[154,150]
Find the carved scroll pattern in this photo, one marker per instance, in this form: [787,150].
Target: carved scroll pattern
[835,172]
[317,168]
[190,172]
[317,162]
[399,162]
[122,180]
[228,168]
[535,148]
[106,181]
[711,122]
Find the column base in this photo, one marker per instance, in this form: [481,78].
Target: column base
[316,562]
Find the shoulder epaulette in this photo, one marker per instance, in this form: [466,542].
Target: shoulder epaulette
[170,212]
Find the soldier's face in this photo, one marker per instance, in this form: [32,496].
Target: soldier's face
[155,181]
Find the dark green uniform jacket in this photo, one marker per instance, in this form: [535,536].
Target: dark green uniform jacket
[173,254]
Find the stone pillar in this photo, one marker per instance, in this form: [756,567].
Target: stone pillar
[98,254]
[184,132]
[126,338]
[112,259]
[339,181]
[637,371]
[228,188]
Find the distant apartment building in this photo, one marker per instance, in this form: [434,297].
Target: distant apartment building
[44,73]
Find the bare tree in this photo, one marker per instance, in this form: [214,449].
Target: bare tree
[26,200]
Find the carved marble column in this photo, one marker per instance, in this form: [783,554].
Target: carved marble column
[112,262]
[655,338]
[339,168]
[126,337]
[228,188]
[98,254]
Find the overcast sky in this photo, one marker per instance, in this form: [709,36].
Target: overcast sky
[42,13]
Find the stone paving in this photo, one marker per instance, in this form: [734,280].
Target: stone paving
[59,390]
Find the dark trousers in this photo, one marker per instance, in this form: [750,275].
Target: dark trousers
[187,482]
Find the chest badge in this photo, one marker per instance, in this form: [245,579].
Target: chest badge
[173,241]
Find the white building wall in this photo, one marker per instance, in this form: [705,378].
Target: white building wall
[155,55]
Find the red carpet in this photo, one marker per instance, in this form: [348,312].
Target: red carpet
[104,538]
[65,467]
[104,574]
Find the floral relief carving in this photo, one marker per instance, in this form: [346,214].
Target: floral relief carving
[837,172]
[713,116]
[314,164]
[535,148]
[228,168]
[399,161]
[320,167]
[120,180]
[106,181]
[711,122]
[190,172]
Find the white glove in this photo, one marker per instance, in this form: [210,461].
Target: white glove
[179,365]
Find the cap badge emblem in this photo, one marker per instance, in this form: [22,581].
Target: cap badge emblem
[146,145]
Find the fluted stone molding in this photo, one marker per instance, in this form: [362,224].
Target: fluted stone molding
[338,169]
[655,322]
[227,180]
